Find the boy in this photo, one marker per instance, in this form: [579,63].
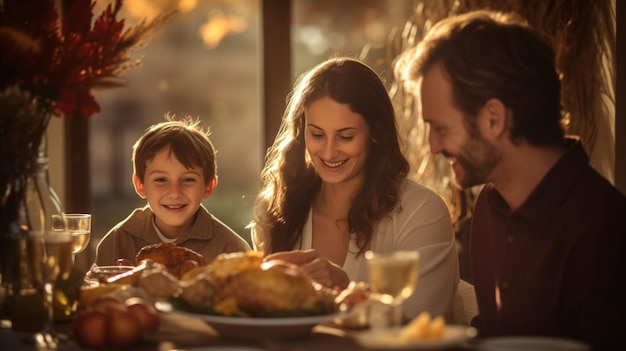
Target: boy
[174,169]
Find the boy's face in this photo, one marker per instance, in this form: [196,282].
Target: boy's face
[174,192]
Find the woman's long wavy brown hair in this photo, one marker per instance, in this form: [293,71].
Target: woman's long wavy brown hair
[290,181]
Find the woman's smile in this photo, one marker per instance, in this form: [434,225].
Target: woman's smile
[333,164]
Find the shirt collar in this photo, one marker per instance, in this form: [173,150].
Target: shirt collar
[162,237]
[552,189]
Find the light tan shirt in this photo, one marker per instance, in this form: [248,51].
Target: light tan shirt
[208,236]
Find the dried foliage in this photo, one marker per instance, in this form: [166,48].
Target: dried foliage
[583,34]
[50,62]
[60,57]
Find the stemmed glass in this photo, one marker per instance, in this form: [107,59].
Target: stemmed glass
[393,278]
[49,258]
[78,224]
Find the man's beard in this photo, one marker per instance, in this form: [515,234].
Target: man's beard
[477,158]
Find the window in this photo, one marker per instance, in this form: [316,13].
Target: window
[204,64]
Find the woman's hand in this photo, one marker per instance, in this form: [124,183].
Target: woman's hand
[319,268]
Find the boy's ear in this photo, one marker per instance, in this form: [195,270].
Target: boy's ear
[138,184]
[208,190]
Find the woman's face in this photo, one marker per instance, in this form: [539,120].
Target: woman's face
[337,140]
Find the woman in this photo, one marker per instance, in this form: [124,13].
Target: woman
[335,185]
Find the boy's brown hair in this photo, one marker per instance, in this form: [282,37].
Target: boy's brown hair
[187,140]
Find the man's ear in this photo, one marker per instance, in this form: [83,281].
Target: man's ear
[138,184]
[496,114]
[208,190]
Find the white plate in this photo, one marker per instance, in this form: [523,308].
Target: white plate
[534,343]
[220,348]
[257,328]
[388,340]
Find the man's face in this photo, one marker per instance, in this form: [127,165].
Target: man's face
[453,134]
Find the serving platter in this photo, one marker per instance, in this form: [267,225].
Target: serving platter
[255,328]
[453,335]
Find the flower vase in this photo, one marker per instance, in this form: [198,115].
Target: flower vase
[40,201]
[22,302]
[28,204]
[11,273]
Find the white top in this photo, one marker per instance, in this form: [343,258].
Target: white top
[422,223]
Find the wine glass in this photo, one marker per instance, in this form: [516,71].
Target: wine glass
[393,278]
[78,224]
[49,256]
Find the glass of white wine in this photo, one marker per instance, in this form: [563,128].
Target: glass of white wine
[78,224]
[49,259]
[393,278]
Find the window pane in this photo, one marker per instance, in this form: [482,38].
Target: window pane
[325,28]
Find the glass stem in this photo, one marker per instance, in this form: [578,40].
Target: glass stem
[396,314]
[48,329]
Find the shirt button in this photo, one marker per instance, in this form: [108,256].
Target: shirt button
[509,238]
[505,285]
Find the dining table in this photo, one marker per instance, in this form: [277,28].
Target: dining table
[180,332]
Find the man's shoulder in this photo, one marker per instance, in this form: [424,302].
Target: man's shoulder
[593,190]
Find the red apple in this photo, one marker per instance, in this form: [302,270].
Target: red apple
[124,328]
[90,328]
[145,313]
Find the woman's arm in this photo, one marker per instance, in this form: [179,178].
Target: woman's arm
[318,267]
[424,225]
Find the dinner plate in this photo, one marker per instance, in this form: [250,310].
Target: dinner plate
[388,339]
[534,343]
[220,348]
[257,328]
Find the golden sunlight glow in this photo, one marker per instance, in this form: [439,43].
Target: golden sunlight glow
[149,9]
[218,26]
[498,301]
[163,85]
[187,5]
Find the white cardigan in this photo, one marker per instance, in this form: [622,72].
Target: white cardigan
[422,223]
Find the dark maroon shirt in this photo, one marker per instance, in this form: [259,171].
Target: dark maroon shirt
[556,266]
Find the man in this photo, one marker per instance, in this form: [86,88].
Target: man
[547,234]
